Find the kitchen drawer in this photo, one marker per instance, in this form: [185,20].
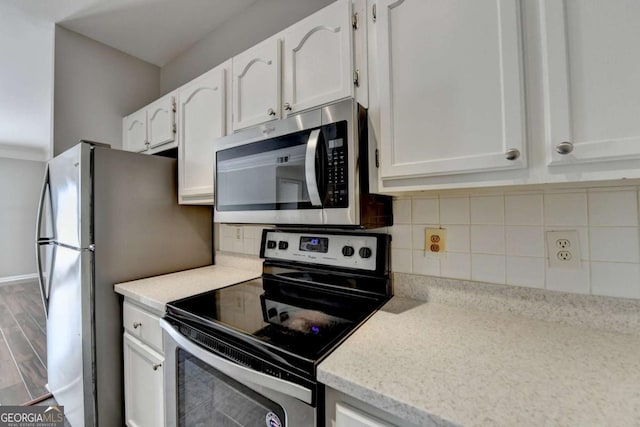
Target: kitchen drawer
[143,325]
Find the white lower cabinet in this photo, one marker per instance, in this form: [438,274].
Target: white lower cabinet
[143,369]
[343,410]
[347,416]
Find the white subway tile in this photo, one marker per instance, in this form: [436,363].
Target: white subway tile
[613,208]
[487,239]
[565,209]
[426,264]
[568,280]
[454,210]
[488,268]
[402,211]
[615,279]
[487,210]
[425,211]
[525,241]
[616,244]
[401,260]
[226,244]
[401,236]
[456,266]
[523,209]
[525,271]
[458,238]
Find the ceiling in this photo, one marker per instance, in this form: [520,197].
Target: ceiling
[155,31]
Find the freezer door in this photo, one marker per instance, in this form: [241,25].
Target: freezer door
[69,334]
[70,191]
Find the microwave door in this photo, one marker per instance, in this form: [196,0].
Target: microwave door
[269,175]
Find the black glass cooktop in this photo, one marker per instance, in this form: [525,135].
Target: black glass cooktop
[288,325]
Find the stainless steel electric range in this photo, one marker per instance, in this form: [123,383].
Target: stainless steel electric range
[247,354]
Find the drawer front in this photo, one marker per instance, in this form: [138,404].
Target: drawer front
[143,325]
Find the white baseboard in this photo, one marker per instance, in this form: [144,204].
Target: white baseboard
[14,280]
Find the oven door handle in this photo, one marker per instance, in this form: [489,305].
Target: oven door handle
[310,168]
[237,371]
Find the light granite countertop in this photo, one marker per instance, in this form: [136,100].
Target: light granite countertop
[435,364]
[155,292]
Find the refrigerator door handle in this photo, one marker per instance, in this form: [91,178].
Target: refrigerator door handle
[41,241]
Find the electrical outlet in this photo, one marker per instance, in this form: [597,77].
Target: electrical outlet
[435,240]
[237,233]
[563,249]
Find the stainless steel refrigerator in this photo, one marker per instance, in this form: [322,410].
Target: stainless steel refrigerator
[105,216]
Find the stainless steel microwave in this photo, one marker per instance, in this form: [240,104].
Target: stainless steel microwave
[311,169]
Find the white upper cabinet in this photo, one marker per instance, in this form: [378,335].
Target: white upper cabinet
[591,80]
[450,87]
[202,115]
[256,84]
[161,122]
[318,59]
[152,128]
[307,65]
[135,131]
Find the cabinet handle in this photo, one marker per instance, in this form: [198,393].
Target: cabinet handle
[287,106]
[564,148]
[156,366]
[136,325]
[271,112]
[512,154]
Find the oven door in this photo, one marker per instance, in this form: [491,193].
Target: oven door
[204,389]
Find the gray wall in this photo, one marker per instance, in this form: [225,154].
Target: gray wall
[20,183]
[95,86]
[261,20]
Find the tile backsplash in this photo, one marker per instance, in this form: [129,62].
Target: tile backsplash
[499,237]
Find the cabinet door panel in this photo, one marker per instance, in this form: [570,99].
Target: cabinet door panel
[346,416]
[161,120]
[135,131]
[201,117]
[450,79]
[591,87]
[318,58]
[256,85]
[143,385]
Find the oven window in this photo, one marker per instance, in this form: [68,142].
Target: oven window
[206,397]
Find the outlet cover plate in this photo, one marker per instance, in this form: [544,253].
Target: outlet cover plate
[563,249]
[435,240]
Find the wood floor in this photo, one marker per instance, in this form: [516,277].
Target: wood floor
[23,344]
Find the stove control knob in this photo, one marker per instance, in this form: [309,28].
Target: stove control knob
[271,244]
[282,245]
[365,253]
[347,250]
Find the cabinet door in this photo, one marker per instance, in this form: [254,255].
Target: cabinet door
[450,82]
[591,84]
[135,131]
[161,121]
[201,120]
[346,416]
[318,58]
[143,385]
[256,85]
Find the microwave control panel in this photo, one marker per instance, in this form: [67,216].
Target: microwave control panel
[337,250]
[337,165]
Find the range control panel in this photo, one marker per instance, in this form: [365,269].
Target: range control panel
[336,250]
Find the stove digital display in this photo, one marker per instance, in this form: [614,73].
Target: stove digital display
[314,244]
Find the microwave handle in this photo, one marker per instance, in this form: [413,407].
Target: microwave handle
[310,168]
